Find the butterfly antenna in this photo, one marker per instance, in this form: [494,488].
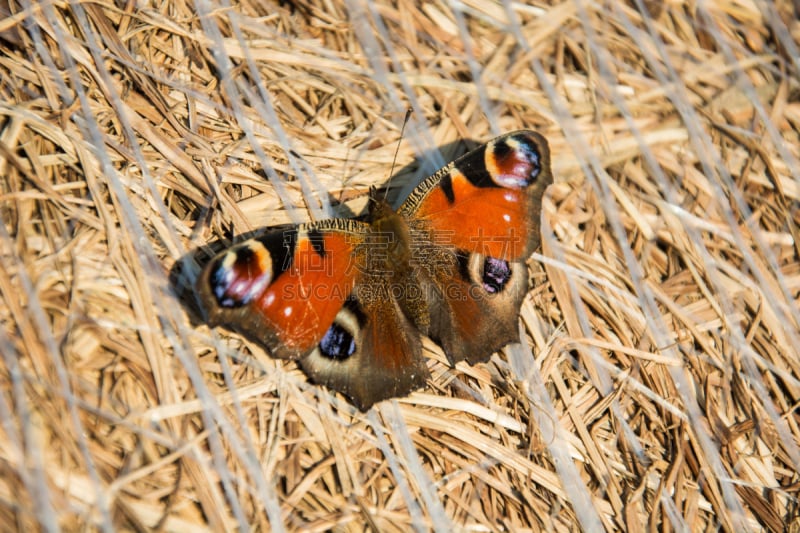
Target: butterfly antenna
[397,151]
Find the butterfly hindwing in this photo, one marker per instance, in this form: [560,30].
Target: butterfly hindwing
[381,357]
[479,316]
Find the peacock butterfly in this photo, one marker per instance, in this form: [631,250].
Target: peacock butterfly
[350,299]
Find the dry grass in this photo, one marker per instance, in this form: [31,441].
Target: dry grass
[658,380]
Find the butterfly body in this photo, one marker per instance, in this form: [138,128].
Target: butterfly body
[350,299]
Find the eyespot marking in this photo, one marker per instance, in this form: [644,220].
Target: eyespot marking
[496,274]
[513,162]
[241,275]
[339,341]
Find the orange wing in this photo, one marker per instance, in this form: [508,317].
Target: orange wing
[487,201]
[285,288]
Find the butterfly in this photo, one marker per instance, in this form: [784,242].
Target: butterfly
[350,299]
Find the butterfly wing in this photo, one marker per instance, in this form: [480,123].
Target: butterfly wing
[489,200]
[384,360]
[284,289]
[483,210]
[308,293]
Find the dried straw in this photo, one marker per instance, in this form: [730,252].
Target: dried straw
[657,383]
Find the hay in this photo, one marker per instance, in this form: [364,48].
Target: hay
[657,383]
